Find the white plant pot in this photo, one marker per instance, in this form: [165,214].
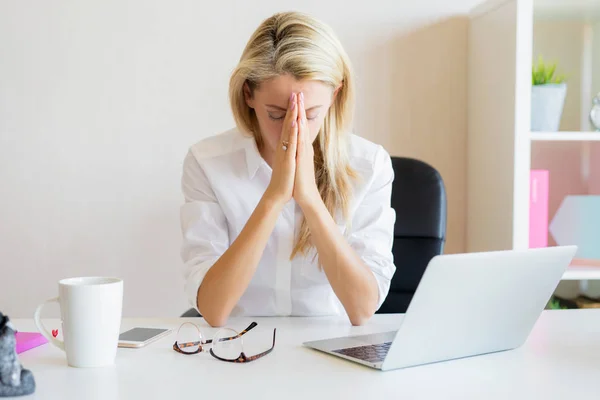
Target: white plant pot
[547,103]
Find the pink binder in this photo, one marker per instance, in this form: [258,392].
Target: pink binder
[538,208]
[29,340]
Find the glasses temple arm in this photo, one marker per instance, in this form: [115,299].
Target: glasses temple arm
[264,353]
[250,327]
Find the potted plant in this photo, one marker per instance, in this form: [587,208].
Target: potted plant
[548,93]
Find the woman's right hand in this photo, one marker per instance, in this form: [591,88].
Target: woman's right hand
[281,186]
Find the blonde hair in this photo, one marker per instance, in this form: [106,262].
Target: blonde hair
[302,46]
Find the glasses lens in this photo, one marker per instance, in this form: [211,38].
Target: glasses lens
[189,338]
[227,344]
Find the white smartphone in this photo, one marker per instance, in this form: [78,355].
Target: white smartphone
[140,337]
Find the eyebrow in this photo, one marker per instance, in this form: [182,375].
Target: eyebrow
[285,109]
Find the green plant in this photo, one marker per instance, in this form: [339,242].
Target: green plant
[554,304]
[543,73]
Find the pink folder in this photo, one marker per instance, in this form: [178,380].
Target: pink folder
[29,340]
[538,208]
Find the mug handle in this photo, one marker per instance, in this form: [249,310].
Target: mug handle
[40,326]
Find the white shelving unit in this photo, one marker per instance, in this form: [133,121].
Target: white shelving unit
[565,136]
[576,273]
[499,136]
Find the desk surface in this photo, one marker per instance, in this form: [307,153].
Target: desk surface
[561,359]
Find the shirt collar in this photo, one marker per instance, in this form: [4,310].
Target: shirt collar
[253,157]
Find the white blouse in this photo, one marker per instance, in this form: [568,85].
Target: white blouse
[224,177]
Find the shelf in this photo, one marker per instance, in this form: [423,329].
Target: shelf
[504,40]
[565,136]
[578,272]
[566,9]
[582,269]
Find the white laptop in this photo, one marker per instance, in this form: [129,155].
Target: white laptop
[465,305]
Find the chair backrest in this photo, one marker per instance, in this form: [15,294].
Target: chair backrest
[419,199]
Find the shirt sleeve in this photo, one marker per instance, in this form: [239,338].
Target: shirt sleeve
[203,225]
[372,229]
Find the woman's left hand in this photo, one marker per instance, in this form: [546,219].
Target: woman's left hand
[306,191]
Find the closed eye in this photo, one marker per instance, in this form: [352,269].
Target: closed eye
[280,117]
[276,117]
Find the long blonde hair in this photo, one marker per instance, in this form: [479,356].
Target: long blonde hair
[302,46]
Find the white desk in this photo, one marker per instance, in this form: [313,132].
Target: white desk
[560,360]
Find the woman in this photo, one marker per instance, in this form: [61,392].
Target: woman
[288,214]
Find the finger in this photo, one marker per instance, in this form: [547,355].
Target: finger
[290,118]
[301,110]
[299,139]
[293,138]
[302,125]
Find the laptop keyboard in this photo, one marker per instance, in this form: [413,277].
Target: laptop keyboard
[372,353]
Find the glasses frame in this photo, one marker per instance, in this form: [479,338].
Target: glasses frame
[242,358]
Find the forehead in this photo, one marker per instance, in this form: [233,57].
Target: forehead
[277,91]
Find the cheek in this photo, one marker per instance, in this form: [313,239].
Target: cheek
[270,130]
[314,131]
[314,127]
[272,135]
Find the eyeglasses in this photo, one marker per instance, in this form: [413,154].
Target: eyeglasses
[227,344]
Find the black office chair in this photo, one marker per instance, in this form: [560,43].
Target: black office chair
[192,312]
[419,198]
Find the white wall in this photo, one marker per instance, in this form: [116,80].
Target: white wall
[497,151]
[100,100]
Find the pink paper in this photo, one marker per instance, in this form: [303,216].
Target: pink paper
[538,208]
[29,340]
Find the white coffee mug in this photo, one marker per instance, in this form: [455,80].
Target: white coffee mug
[90,309]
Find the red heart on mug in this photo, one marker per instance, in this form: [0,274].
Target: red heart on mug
[54,332]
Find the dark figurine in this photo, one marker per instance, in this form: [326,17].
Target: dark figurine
[14,380]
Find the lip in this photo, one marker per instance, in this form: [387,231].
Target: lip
[90,281]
